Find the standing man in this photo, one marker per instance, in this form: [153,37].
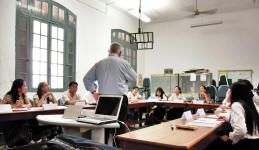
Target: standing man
[112,74]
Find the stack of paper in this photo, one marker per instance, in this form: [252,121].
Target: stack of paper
[20,109]
[205,122]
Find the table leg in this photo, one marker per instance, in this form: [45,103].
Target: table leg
[72,131]
[98,135]
[140,113]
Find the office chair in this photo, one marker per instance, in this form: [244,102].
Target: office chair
[223,80]
[32,102]
[60,102]
[212,91]
[222,93]
[146,85]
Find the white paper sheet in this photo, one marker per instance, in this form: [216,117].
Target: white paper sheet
[203,77]
[193,77]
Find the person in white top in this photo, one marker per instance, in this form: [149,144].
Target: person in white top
[175,112]
[256,98]
[89,97]
[177,95]
[134,94]
[160,94]
[159,112]
[226,104]
[44,96]
[244,119]
[70,97]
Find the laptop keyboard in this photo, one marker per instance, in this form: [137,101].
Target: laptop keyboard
[93,118]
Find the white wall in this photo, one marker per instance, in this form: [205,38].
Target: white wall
[93,38]
[231,45]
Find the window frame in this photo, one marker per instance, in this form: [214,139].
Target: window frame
[33,15]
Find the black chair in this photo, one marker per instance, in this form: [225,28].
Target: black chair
[146,82]
[146,85]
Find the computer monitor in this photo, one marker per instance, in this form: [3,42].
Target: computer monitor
[108,106]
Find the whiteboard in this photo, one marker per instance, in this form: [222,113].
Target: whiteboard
[236,75]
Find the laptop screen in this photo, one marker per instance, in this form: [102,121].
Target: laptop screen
[108,106]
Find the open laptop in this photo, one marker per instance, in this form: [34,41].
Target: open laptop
[107,110]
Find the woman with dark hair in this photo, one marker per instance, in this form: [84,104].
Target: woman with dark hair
[203,95]
[159,112]
[251,87]
[177,95]
[43,96]
[18,132]
[17,95]
[160,94]
[244,119]
[174,112]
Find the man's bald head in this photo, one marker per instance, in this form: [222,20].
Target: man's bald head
[115,48]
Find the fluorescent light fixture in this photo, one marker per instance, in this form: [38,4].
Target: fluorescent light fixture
[208,23]
[147,5]
[135,13]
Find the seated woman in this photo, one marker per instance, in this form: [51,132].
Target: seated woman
[160,94]
[244,119]
[17,133]
[203,95]
[226,104]
[17,95]
[251,87]
[177,95]
[174,112]
[158,113]
[43,96]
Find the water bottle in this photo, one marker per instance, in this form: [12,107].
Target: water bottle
[197,99]
[144,96]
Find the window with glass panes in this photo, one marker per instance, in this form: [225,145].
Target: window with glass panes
[45,43]
[129,51]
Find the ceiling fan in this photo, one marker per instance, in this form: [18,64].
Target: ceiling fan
[197,12]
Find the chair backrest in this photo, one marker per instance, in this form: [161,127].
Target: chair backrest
[146,82]
[212,91]
[60,102]
[222,93]
[32,102]
[189,98]
[223,80]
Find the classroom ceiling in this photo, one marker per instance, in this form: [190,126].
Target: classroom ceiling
[165,10]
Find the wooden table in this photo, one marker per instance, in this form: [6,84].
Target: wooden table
[24,115]
[205,106]
[139,105]
[188,105]
[161,137]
